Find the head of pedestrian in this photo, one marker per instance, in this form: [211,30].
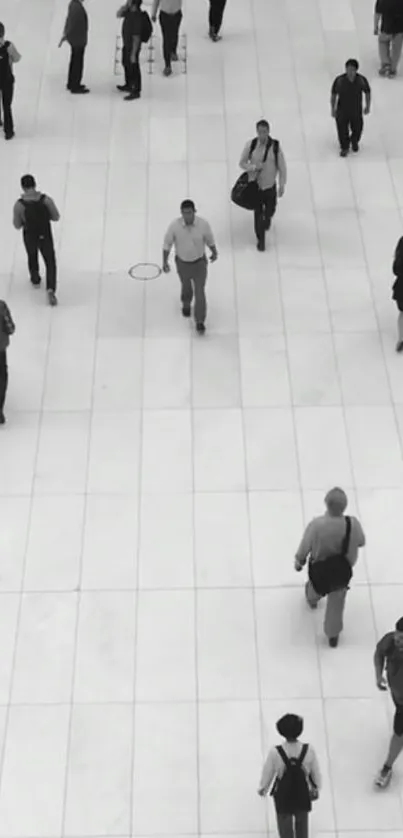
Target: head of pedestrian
[290,727]
[2,33]
[336,502]
[399,634]
[28,183]
[188,212]
[263,131]
[352,66]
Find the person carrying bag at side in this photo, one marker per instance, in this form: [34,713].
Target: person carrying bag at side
[331,543]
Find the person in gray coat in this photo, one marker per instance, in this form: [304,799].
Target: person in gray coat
[76,34]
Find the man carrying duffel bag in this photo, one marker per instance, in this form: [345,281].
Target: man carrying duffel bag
[330,544]
[263,162]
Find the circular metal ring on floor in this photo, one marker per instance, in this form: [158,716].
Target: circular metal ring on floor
[144,271]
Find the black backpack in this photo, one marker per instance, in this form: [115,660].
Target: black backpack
[146,28]
[37,218]
[333,573]
[291,791]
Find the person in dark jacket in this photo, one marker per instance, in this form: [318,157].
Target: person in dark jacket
[389,653]
[76,34]
[397,291]
[132,22]
[7,328]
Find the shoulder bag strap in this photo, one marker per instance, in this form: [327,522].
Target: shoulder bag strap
[346,539]
[252,147]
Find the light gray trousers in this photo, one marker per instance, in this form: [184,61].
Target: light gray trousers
[335,603]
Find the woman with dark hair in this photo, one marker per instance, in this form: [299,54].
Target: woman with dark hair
[397,291]
[292,772]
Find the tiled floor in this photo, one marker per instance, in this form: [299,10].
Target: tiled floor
[153,486]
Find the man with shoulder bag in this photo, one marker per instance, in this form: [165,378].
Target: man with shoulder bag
[264,162]
[136,30]
[330,544]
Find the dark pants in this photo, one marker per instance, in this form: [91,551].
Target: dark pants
[3,378]
[45,247]
[132,70]
[349,129]
[170,33]
[193,275]
[7,93]
[293,826]
[76,68]
[216,15]
[264,211]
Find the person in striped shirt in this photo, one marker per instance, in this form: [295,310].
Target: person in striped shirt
[7,328]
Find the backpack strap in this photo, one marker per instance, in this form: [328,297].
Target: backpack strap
[346,539]
[252,147]
[270,143]
[303,754]
[283,755]
[276,149]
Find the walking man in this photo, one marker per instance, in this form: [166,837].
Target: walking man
[190,235]
[346,106]
[76,34]
[132,23]
[323,538]
[7,328]
[389,653]
[33,213]
[216,15]
[388,26]
[264,161]
[9,56]
[170,21]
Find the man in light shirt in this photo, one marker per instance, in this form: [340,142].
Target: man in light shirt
[170,21]
[9,56]
[264,161]
[190,235]
[322,538]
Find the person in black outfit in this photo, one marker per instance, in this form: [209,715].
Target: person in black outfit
[33,213]
[76,34]
[7,329]
[170,21]
[397,291]
[8,56]
[131,38]
[346,106]
[216,15]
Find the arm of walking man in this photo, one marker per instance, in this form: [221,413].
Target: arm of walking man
[18,215]
[53,210]
[14,54]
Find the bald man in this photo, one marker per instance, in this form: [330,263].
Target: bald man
[324,537]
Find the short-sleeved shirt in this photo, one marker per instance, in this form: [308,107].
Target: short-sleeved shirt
[391,12]
[387,652]
[350,93]
[189,240]
[324,537]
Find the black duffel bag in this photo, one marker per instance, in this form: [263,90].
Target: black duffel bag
[333,573]
[245,193]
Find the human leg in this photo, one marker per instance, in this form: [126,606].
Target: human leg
[356,126]
[184,273]
[7,97]
[76,68]
[199,281]
[384,48]
[167,40]
[301,825]
[47,251]
[269,202]
[176,22]
[396,51]
[3,380]
[216,15]
[31,247]
[285,826]
[333,623]
[311,596]
[395,748]
[259,220]
[342,132]
[399,345]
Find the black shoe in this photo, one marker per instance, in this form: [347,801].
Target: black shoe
[174,56]
[343,152]
[399,346]
[186,311]
[78,90]
[167,71]
[261,245]
[333,642]
[8,135]
[52,299]
[2,418]
[355,147]
[36,280]
[200,328]
[124,88]
[132,96]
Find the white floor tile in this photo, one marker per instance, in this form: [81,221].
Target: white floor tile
[114,458]
[270,449]
[222,548]
[166,451]
[219,457]
[110,530]
[166,520]
[54,544]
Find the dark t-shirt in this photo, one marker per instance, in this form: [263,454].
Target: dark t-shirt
[392,16]
[131,27]
[350,93]
[387,652]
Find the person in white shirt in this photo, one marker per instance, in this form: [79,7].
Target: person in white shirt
[264,161]
[170,21]
[9,56]
[293,801]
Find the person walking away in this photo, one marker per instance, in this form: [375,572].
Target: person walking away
[264,161]
[9,56]
[388,27]
[170,21]
[132,24]
[76,34]
[389,653]
[323,538]
[7,329]
[346,106]
[33,213]
[397,291]
[216,14]
[190,235]
[294,769]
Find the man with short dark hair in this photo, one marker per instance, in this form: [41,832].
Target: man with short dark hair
[264,161]
[132,23]
[346,106]
[9,56]
[76,34]
[216,14]
[33,213]
[190,235]
[388,26]
[389,654]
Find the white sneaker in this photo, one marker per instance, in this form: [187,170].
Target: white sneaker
[384,777]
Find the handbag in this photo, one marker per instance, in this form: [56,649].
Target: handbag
[245,192]
[334,572]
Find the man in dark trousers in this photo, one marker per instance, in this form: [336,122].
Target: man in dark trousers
[388,26]
[131,39]
[216,15]
[76,34]
[346,106]
[8,56]
[170,21]
[33,213]
[7,328]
